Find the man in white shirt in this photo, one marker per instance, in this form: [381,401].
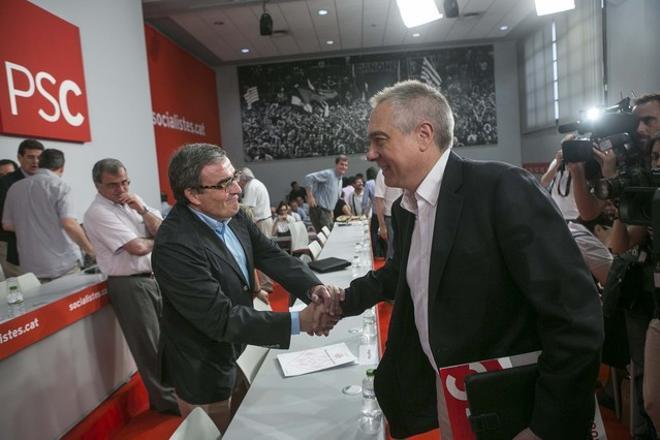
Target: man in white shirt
[384,197]
[255,196]
[358,200]
[122,228]
[484,267]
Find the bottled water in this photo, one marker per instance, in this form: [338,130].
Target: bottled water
[368,327]
[355,266]
[370,421]
[14,294]
[370,406]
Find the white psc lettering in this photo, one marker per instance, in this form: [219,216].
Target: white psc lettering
[59,104]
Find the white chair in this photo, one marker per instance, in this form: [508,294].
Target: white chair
[321,237]
[326,231]
[315,249]
[251,359]
[299,236]
[198,425]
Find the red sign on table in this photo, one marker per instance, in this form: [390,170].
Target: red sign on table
[42,83]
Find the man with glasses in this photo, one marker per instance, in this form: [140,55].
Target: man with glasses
[122,228]
[204,259]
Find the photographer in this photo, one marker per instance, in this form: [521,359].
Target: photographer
[630,165]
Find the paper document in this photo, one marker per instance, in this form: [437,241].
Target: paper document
[315,359]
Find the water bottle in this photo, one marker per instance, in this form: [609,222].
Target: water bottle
[371,414]
[14,294]
[370,406]
[368,327]
[355,266]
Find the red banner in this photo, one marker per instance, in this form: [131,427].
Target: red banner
[184,100]
[42,83]
[36,325]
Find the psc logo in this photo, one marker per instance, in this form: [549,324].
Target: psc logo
[60,105]
[42,82]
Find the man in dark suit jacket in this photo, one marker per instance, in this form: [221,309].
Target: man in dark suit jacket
[484,267]
[29,151]
[204,258]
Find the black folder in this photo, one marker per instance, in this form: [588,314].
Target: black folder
[329,264]
[501,402]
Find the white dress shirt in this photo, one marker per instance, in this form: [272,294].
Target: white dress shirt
[109,227]
[423,204]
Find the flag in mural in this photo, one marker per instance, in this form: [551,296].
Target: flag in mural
[251,96]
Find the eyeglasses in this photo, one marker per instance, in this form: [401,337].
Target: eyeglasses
[224,183]
[115,185]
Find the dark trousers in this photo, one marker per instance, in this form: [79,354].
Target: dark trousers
[137,303]
[320,217]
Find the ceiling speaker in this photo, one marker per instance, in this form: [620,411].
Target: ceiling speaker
[451,8]
[266,24]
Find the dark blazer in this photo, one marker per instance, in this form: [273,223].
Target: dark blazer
[6,182]
[506,278]
[207,316]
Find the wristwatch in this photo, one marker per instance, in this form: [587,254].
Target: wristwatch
[145,210]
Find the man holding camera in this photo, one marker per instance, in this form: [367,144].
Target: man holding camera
[638,311]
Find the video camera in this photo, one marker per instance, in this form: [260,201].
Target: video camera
[635,185]
[610,128]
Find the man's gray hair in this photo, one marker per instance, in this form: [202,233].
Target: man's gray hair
[186,165]
[413,102]
[246,174]
[108,165]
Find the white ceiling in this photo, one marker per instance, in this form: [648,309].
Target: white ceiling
[217,30]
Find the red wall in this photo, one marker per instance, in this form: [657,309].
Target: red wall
[184,100]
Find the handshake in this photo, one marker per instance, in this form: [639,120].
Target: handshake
[321,315]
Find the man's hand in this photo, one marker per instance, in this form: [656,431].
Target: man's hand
[329,296]
[262,296]
[133,202]
[382,232]
[526,434]
[315,320]
[607,161]
[311,202]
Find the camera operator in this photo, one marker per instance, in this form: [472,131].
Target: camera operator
[557,180]
[638,309]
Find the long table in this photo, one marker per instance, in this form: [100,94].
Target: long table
[312,405]
[61,354]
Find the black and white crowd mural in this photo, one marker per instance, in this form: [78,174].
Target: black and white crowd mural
[321,107]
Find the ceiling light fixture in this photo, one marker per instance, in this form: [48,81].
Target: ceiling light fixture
[504,28]
[418,12]
[265,22]
[323,12]
[546,7]
[245,50]
[330,42]
[416,35]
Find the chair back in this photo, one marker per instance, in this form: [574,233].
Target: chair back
[299,236]
[253,356]
[315,249]
[326,231]
[197,425]
[321,237]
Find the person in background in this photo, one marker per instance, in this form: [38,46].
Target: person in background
[296,191]
[203,259]
[282,221]
[384,197]
[122,228]
[378,245]
[7,166]
[472,238]
[40,211]
[29,151]
[256,197]
[323,190]
[358,200]
[165,207]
